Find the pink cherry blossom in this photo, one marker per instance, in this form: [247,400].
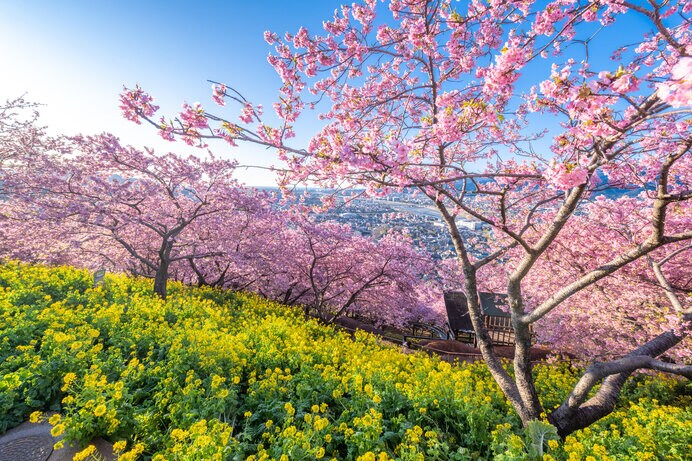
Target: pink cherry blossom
[136,103]
[678,91]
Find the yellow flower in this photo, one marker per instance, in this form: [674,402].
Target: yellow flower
[84,454]
[247,414]
[289,409]
[178,434]
[320,423]
[57,430]
[100,410]
[369,456]
[319,453]
[132,454]
[55,419]
[58,445]
[269,423]
[35,417]
[119,446]
[203,441]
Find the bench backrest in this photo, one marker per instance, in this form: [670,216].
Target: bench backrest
[457,311]
[457,308]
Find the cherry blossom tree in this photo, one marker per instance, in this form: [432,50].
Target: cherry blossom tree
[22,142]
[617,313]
[141,203]
[423,97]
[232,240]
[346,273]
[90,202]
[326,268]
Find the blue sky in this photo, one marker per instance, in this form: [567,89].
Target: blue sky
[74,57]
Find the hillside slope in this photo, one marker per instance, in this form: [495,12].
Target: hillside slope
[212,375]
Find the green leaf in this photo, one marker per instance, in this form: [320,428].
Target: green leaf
[537,435]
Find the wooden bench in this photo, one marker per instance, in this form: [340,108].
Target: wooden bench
[497,321]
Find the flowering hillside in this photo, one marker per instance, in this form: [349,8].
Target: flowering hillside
[213,375]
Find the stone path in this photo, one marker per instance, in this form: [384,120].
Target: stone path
[33,442]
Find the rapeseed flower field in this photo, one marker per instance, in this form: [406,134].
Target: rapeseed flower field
[215,375]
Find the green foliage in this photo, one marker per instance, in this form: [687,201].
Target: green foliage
[212,375]
[538,434]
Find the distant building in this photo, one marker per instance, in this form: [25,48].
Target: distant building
[465,223]
[471,225]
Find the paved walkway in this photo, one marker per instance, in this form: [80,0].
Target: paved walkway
[33,442]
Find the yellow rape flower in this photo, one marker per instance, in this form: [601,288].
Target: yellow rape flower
[84,454]
[100,410]
[132,454]
[57,430]
[119,446]
[178,434]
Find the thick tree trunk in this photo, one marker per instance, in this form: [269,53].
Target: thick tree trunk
[502,378]
[523,373]
[577,413]
[161,280]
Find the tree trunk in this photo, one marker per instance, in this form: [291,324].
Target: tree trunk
[508,385]
[161,280]
[523,373]
[577,413]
